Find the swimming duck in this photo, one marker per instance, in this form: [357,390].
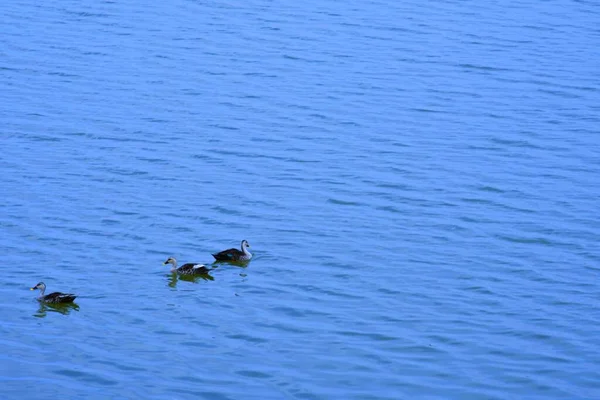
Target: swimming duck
[53,298]
[187,269]
[234,254]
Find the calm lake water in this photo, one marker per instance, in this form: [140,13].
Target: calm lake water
[418,182]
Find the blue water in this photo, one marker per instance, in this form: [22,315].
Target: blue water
[417,180]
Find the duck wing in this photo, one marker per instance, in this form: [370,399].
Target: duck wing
[228,255]
[192,269]
[201,270]
[58,297]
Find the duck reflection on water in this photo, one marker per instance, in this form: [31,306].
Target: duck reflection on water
[175,277]
[61,308]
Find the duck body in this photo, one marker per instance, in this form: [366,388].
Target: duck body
[192,269]
[187,269]
[58,297]
[234,254]
[53,298]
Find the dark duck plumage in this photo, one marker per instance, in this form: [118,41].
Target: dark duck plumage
[187,269]
[53,298]
[234,254]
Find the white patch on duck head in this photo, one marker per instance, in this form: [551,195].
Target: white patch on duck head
[170,260]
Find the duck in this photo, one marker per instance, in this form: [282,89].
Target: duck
[187,269]
[234,254]
[53,298]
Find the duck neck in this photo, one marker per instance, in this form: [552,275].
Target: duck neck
[173,265]
[42,291]
[246,252]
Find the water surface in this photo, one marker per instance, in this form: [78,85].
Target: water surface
[416,180]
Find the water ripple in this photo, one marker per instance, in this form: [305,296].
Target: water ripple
[416,184]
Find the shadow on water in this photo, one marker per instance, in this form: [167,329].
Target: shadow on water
[239,264]
[64,309]
[174,278]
